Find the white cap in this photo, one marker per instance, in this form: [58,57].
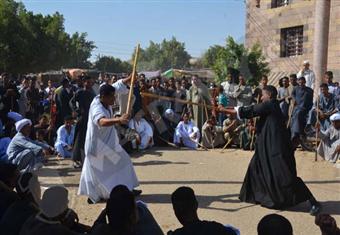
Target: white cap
[335,117]
[54,201]
[306,62]
[20,124]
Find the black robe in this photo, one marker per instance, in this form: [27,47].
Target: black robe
[271,179]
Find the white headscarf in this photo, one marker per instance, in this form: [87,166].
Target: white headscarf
[335,117]
[54,201]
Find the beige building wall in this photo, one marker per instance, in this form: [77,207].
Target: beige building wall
[264,24]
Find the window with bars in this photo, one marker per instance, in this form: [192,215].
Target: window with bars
[279,3]
[292,41]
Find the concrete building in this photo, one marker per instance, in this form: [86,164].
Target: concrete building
[291,31]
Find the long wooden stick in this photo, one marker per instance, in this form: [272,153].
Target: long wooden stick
[207,116]
[253,132]
[150,95]
[134,70]
[316,132]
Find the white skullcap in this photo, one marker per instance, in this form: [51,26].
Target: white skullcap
[54,201]
[335,117]
[20,124]
[15,116]
[306,62]
[169,112]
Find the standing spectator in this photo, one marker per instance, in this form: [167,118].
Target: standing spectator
[308,74]
[81,105]
[65,138]
[198,93]
[303,98]
[284,97]
[63,102]
[23,101]
[33,101]
[258,90]
[243,93]
[222,100]
[229,87]
[179,93]
[9,95]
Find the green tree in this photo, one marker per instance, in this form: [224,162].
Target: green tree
[112,65]
[32,42]
[249,62]
[165,55]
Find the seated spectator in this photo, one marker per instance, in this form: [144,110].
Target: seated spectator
[144,138]
[274,224]
[125,216]
[26,153]
[325,107]
[9,125]
[327,224]
[48,127]
[65,138]
[212,134]
[55,217]
[231,128]
[247,135]
[8,176]
[329,147]
[28,189]
[4,143]
[185,206]
[187,133]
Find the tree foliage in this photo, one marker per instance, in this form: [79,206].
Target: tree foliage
[112,65]
[233,56]
[33,42]
[163,56]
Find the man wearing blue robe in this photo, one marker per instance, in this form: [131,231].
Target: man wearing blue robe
[303,97]
[24,152]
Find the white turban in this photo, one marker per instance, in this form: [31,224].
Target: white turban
[54,201]
[15,116]
[169,113]
[20,124]
[335,117]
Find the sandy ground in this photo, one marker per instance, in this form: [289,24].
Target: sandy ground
[216,178]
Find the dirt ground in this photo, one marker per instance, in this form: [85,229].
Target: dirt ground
[216,178]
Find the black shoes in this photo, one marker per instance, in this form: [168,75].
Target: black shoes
[315,209]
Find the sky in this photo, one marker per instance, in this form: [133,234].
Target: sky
[117,26]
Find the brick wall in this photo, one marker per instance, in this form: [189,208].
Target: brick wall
[264,26]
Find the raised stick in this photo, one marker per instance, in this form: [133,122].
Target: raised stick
[134,68]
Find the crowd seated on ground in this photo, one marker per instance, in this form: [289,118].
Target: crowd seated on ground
[25,212]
